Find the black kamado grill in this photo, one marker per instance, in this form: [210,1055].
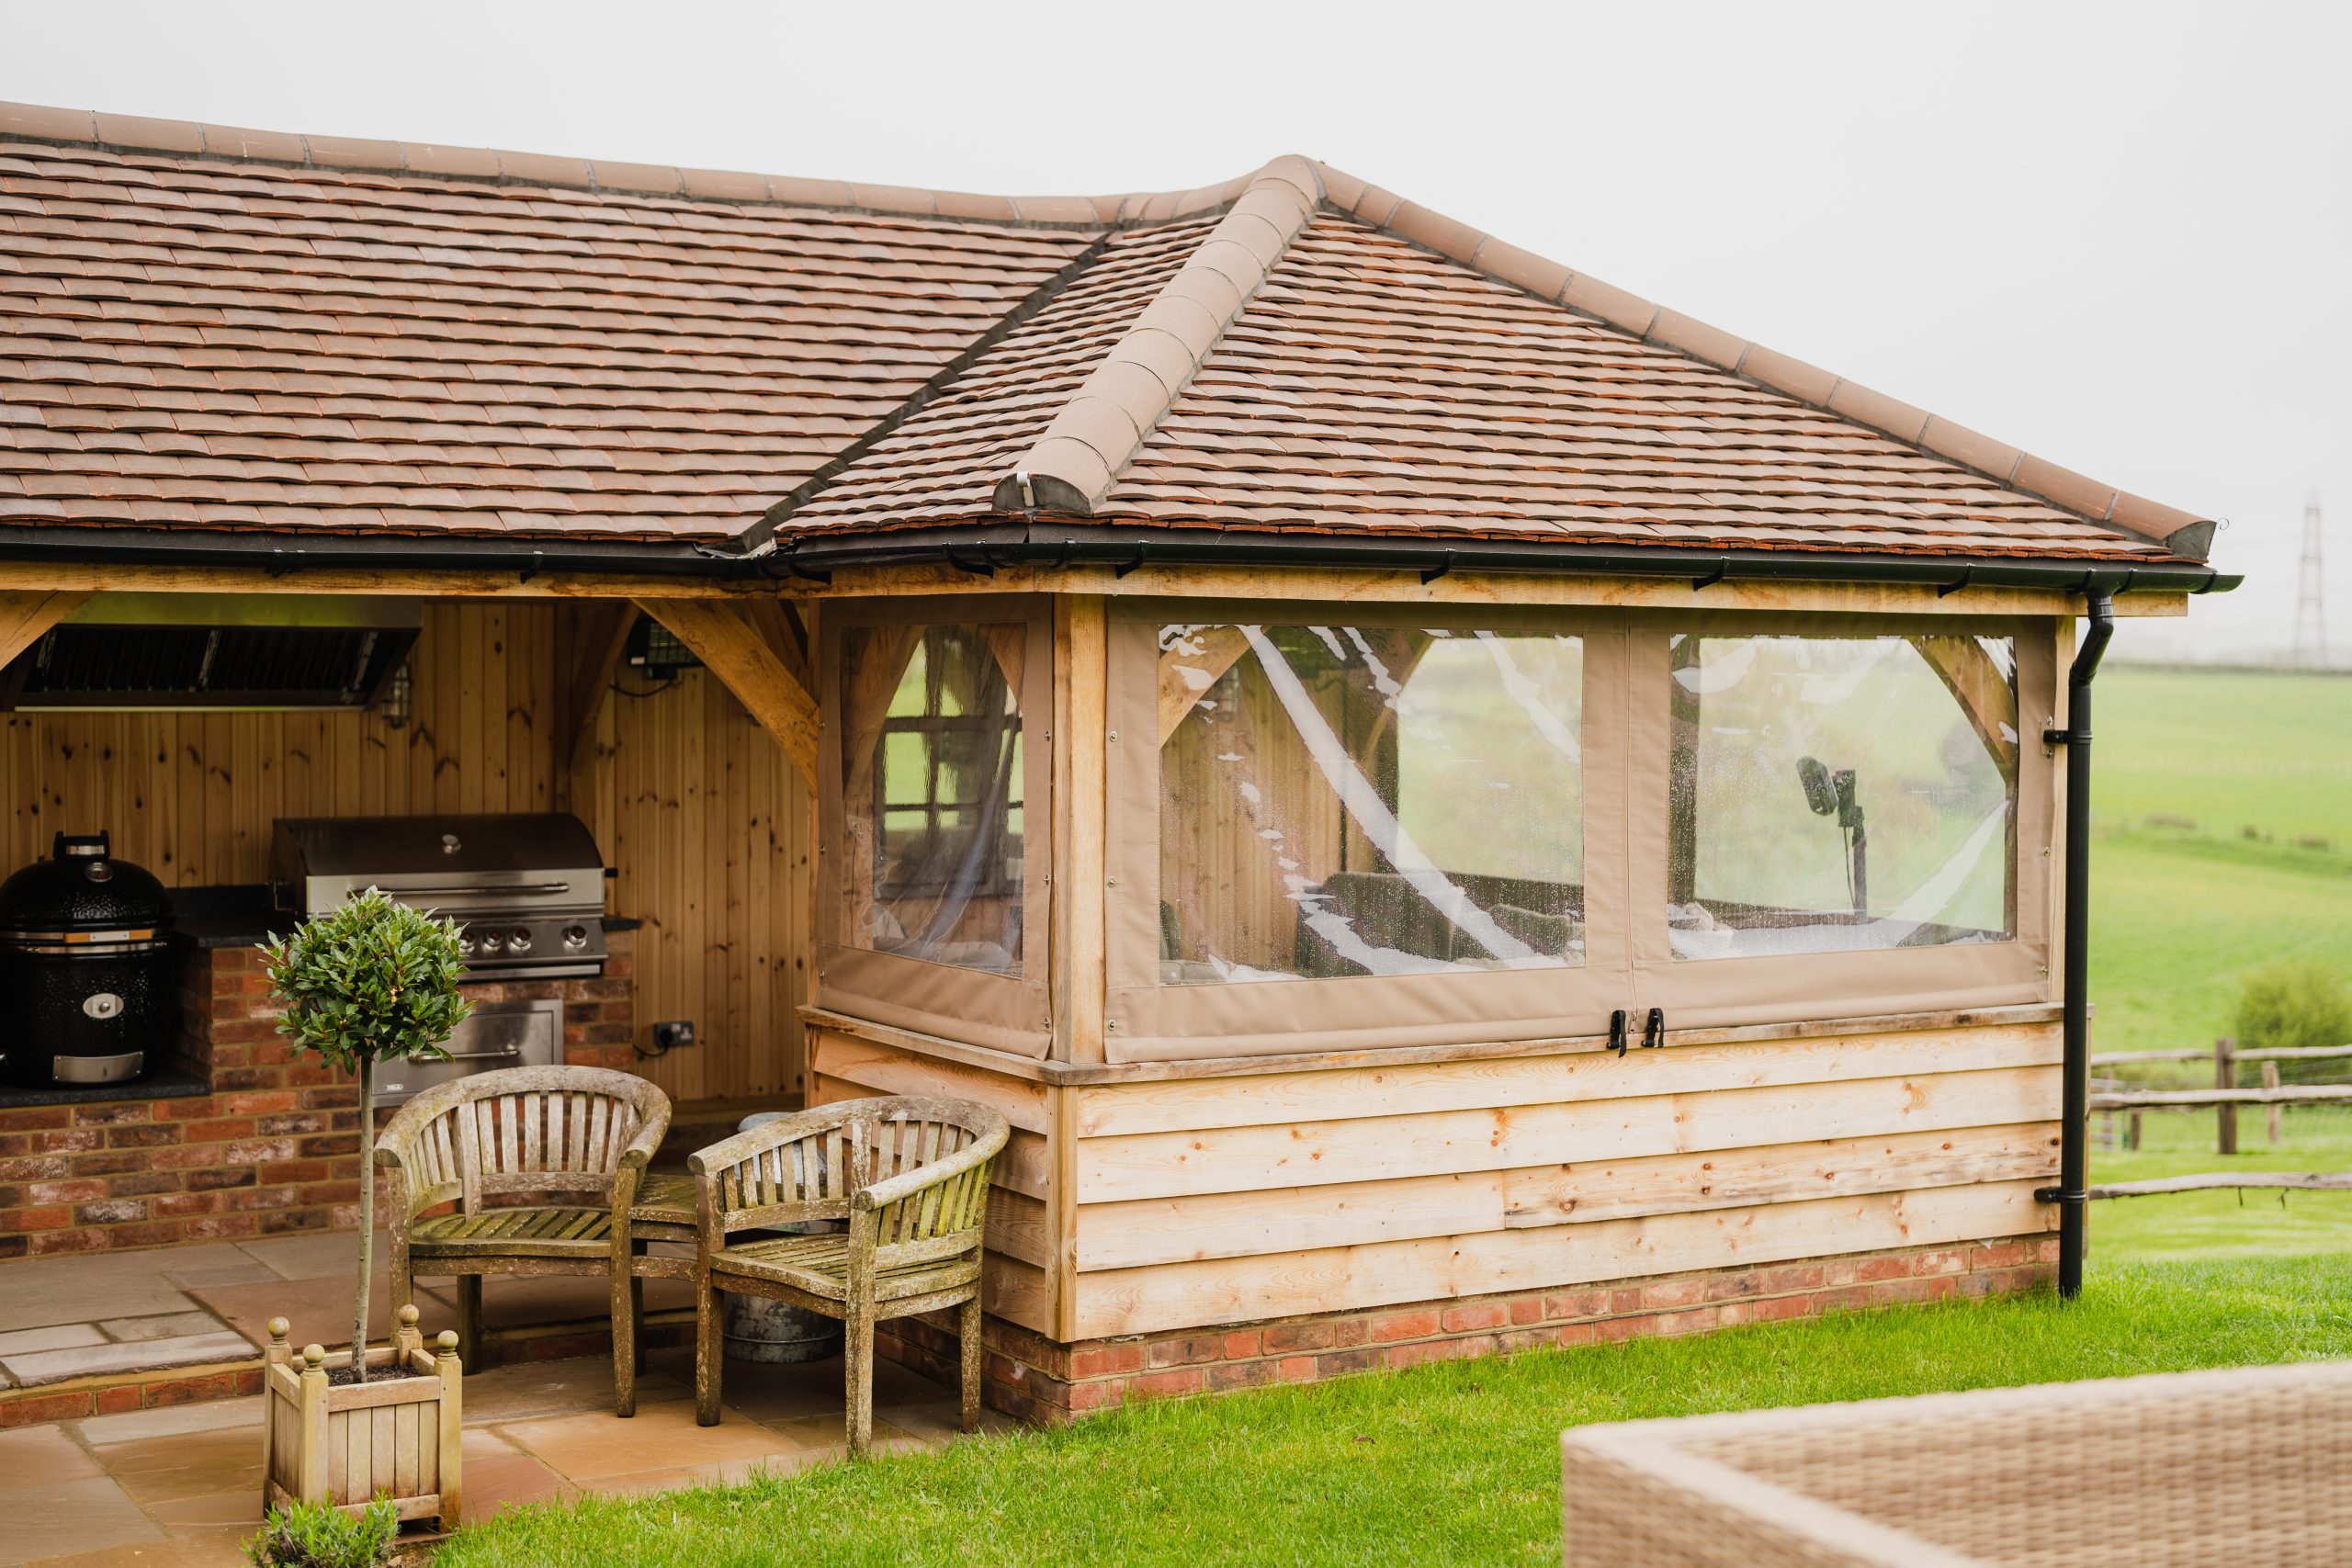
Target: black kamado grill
[85,968]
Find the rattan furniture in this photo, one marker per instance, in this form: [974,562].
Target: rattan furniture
[2177,1470]
[546,1168]
[911,1179]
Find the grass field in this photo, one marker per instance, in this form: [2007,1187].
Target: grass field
[1443,1464]
[2178,915]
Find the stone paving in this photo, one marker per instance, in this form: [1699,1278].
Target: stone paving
[182,1486]
[110,1313]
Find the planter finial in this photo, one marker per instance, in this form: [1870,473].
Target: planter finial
[314,1358]
[277,1330]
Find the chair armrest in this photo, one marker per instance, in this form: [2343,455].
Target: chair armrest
[648,1142]
[716,1156]
[882,1194]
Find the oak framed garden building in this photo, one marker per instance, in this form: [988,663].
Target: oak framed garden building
[1450,807]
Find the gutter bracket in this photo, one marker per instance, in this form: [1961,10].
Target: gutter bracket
[1431,574]
[1124,567]
[1946,591]
[538,564]
[1723,569]
[980,568]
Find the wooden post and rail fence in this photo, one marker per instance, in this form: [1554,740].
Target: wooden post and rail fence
[2225,1097]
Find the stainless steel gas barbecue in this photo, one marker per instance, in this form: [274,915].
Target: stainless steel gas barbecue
[527,891]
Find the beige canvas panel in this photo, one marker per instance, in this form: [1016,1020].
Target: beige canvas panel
[1721,992]
[1003,1012]
[1144,1021]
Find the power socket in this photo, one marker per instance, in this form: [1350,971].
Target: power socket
[675,1032]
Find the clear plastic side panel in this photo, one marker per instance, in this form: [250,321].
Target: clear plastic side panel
[933,817]
[1841,794]
[1368,800]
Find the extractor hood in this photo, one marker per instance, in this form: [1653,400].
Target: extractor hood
[215,651]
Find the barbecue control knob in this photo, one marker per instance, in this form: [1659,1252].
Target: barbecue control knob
[492,942]
[575,937]
[465,945]
[520,941]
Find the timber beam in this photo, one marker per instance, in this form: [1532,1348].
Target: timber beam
[739,656]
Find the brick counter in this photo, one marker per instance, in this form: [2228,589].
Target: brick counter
[274,1148]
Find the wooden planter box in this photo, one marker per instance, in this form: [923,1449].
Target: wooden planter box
[350,1444]
[2174,1471]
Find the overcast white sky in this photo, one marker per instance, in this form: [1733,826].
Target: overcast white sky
[2116,236]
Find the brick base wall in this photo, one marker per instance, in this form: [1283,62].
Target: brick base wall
[273,1149]
[1039,1379]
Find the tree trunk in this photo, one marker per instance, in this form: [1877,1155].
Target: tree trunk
[366,1217]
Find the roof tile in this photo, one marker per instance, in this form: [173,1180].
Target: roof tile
[637,351]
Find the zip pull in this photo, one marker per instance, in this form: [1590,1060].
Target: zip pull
[1616,1032]
[1654,1031]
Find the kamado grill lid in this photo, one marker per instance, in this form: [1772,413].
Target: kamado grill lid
[82,887]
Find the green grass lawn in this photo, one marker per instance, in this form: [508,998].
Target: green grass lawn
[1450,1463]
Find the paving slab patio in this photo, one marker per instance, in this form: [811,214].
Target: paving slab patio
[182,1486]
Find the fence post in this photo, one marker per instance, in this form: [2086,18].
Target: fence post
[2226,1075]
[2132,1135]
[2270,1112]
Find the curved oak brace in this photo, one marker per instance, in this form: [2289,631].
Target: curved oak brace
[730,649]
[25,617]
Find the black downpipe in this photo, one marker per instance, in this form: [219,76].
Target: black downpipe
[2072,1192]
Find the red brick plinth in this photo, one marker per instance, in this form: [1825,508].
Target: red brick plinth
[273,1150]
[1038,1379]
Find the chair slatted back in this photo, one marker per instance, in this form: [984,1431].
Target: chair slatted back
[554,1130]
[805,1166]
[807,1171]
[941,1221]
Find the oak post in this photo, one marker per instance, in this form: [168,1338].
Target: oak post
[2271,1112]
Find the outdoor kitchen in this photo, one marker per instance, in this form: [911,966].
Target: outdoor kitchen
[191,778]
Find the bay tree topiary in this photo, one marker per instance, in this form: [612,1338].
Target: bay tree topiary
[371,981]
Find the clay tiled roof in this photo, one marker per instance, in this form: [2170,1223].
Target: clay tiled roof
[203,328]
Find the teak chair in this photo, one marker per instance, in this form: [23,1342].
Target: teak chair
[577,1139]
[911,1176]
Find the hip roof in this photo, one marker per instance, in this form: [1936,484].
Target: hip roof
[219,329]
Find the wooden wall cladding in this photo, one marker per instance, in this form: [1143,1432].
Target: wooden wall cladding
[1208,1201]
[1177,1203]
[698,809]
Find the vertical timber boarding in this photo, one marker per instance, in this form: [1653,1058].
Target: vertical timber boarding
[706,822]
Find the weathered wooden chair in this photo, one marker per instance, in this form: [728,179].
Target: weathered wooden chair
[576,1139]
[909,1176]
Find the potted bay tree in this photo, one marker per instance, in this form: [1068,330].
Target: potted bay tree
[371,981]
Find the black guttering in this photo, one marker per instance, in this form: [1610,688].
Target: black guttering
[984,548]
[2073,1193]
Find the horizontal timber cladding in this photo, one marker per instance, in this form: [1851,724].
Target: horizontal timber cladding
[1018,1283]
[1182,1295]
[1237,1199]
